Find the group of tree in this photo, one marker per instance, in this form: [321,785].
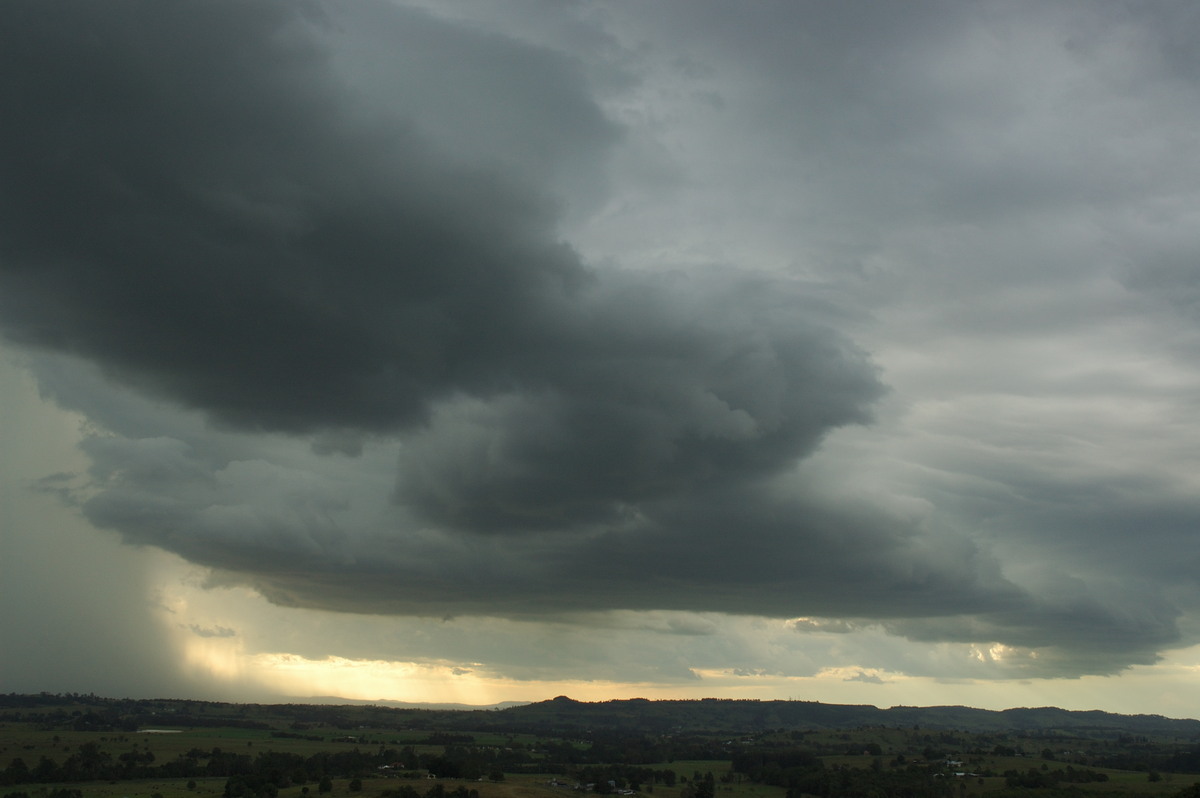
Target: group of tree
[1035,778]
[90,763]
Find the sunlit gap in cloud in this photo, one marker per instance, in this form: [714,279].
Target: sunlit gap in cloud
[209,655]
[999,653]
[232,644]
[370,679]
[286,675]
[430,682]
[214,632]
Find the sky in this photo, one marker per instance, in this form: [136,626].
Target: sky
[492,351]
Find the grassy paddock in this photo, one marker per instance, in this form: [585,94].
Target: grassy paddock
[836,748]
[18,740]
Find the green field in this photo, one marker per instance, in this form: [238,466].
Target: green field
[286,751]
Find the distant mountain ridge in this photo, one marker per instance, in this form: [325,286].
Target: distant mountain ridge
[736,715]
[566,717]
[387,702]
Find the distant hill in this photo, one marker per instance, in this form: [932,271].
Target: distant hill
[385,702]
[564,715]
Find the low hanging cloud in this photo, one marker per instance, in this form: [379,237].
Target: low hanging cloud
[303,266]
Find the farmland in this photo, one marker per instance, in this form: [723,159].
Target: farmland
[55,746]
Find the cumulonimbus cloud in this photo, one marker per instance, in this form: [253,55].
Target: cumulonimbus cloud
[194,205]
[315,226]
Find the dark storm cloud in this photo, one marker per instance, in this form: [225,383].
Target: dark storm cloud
[336,231]
[188,200]
[745,550]
[1068,632]
[191,202]
[665,387]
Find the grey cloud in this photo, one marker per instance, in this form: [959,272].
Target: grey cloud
[328,539]
[215,631]
[863,676]
[344,224]
[673,388]
[485,97]
[303,540]
[1159,261]
[265,255]
[829,625]
[346,442]
[734,551]
[190,201]
[1077,635]
[269,258]
[690,627]
[159,491]
[938,121]
[63,485]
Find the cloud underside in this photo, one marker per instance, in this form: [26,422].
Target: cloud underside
[319,308]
